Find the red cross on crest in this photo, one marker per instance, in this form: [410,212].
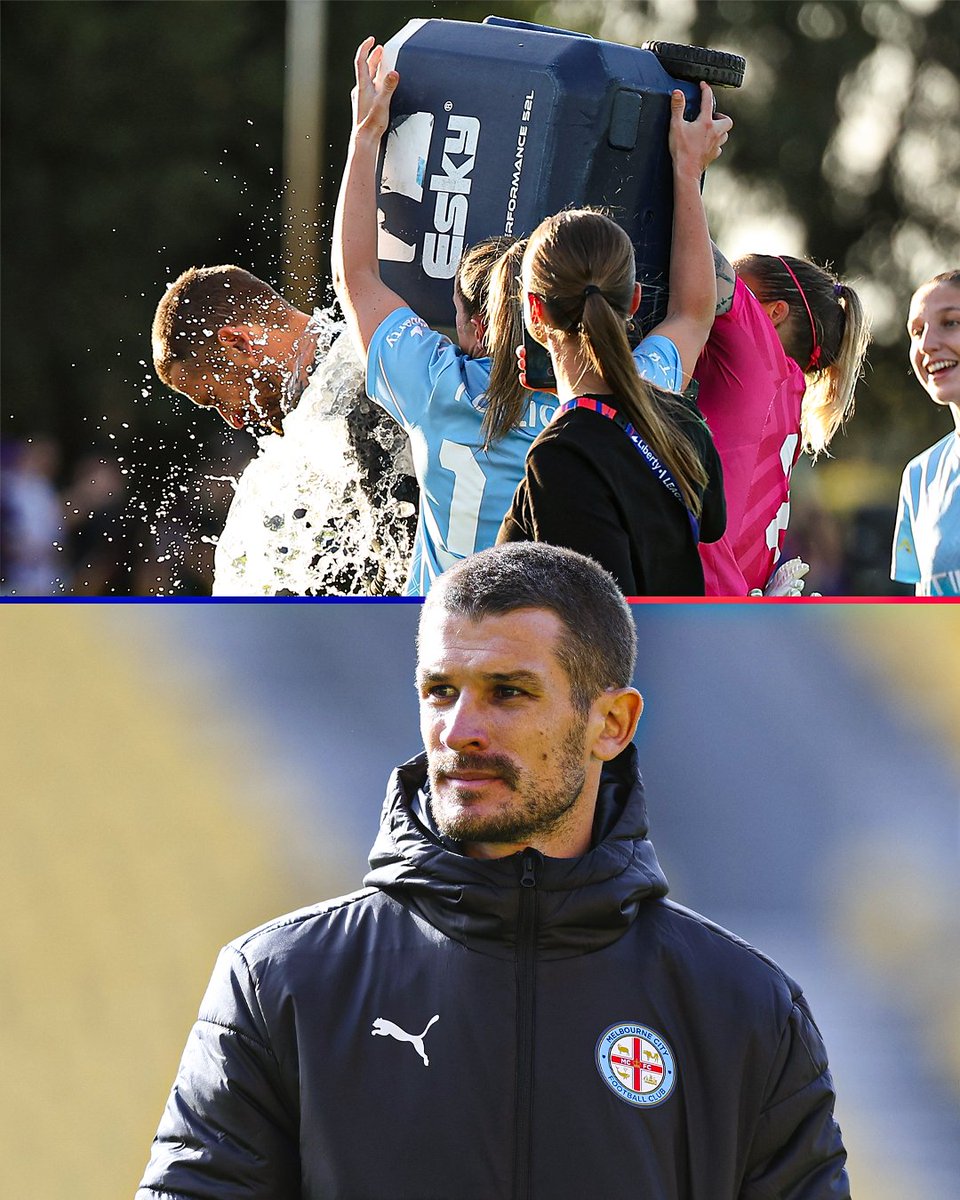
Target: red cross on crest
[634,1057]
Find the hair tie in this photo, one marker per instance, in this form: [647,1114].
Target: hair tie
[837,290]
[815,356]
[591,288]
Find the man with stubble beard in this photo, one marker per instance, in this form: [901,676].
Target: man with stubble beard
[510,1007]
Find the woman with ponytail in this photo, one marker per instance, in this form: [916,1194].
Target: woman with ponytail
[776,379]
[623,473]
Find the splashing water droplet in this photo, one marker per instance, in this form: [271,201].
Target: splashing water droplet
[327,509]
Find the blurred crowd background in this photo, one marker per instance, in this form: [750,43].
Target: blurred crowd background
[144,136]
[178,774]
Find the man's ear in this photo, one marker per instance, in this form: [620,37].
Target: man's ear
[242,338]
[619,710]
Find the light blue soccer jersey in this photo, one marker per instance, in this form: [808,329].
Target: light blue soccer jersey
[438,394]
[926,544]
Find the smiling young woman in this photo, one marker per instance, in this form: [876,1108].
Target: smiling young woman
[926,544]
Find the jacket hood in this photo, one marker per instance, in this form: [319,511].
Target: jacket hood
[583,903]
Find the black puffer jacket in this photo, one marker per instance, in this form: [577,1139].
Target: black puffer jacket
[524,1029]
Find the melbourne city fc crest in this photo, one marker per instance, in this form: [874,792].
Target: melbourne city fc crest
[637,1064]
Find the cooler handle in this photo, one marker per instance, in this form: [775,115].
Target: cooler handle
[505,21]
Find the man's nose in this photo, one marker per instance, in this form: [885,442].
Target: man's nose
[464,727]
[234,420]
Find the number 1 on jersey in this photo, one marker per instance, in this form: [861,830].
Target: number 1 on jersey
[469,482]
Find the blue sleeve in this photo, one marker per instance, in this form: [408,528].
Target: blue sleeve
[406,361]
[904,566]
[658,362]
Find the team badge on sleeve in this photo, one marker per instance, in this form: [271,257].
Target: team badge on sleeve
[637,1064]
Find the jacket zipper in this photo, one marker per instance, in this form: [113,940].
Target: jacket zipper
[526,981]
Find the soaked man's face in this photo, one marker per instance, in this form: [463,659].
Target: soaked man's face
[243,394]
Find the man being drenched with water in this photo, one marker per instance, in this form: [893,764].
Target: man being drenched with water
[228,341]
[330,509]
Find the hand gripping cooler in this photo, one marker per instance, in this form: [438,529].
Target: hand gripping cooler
[495,126]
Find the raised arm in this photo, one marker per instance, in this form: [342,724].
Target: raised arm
[726,280]
[364,297]
[693,278]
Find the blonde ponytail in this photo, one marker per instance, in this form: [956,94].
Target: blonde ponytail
[828,402]
[507,398]
[826,334]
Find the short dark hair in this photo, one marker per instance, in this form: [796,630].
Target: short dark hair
[598,646]
[201,301]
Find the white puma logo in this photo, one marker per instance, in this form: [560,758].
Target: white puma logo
[385,1028]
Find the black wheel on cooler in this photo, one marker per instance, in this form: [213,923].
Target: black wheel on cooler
[696,63]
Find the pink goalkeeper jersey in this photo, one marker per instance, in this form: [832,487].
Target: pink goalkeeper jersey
[750,395]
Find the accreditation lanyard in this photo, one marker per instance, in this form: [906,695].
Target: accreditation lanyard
[656,466]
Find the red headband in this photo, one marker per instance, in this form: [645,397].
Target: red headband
[815,356]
